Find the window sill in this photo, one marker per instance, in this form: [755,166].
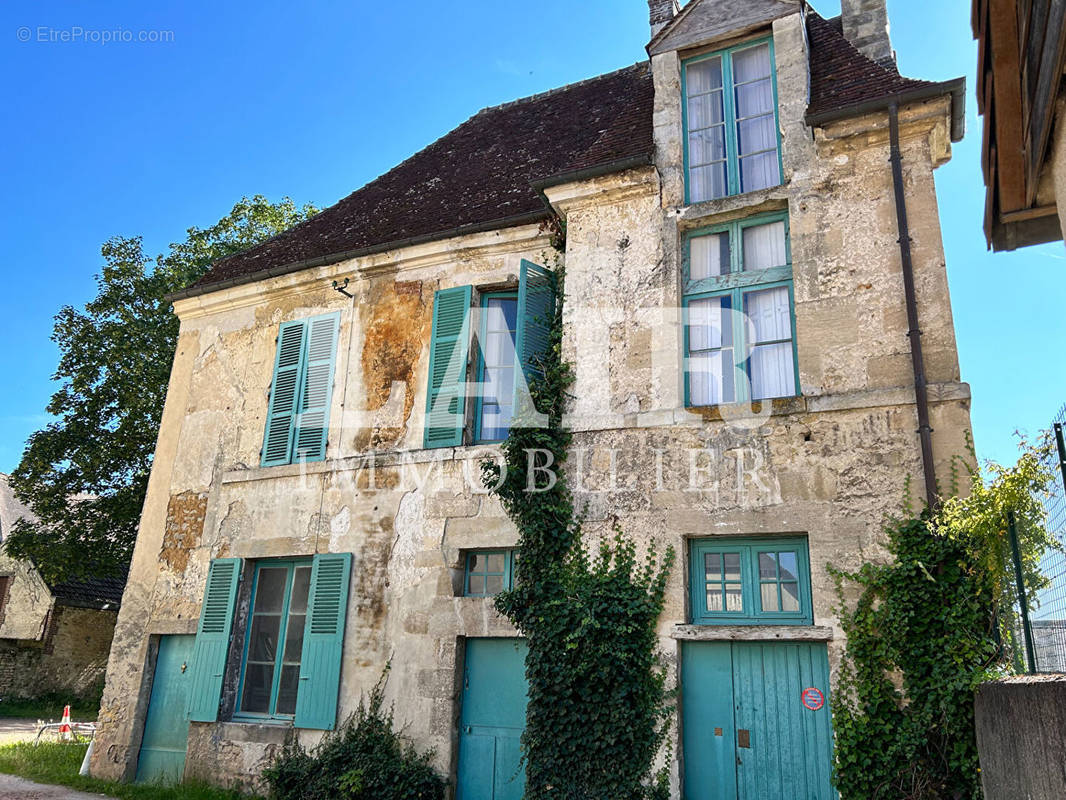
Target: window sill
[778,406]
[752,633]
[709,212]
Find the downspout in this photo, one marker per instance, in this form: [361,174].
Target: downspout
[914,333]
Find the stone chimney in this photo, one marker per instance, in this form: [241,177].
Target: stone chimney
[866,27]
[661,12]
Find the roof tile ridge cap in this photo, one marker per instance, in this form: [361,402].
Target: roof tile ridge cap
[892,72]
[565,88]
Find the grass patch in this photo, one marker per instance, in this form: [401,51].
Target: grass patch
[50,707]
[58,763]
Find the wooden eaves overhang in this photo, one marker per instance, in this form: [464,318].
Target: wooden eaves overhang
[1020,60]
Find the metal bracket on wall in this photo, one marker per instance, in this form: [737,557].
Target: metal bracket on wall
[342,288]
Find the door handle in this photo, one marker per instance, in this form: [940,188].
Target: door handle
[743,738]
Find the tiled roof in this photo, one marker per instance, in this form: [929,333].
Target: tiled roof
[92,592]
[841,76]
[476,177]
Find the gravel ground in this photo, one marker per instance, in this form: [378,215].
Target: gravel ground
[12,788]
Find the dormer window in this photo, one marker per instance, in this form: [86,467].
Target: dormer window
[730,118]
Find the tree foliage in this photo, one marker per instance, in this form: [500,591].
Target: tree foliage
[84,475]
[598,706]
[927,628]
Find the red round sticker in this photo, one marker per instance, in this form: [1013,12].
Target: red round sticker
[813,698]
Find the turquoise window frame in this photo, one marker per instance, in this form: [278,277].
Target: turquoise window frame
[734,285]
[482,333]
[732,157]
[291,565]
[749,549]
[509,561]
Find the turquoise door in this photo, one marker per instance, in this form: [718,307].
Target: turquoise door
[166,730]
[756,721]
[492,720]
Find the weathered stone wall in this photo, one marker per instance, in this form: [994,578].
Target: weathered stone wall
[70,657]
[831,464]
[1021,737]
[27,600]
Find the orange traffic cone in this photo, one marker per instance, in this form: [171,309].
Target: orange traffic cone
[65,731]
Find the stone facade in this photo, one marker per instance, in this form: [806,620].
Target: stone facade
[832,463]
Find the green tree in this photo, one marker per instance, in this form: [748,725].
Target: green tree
[926,629]
[84,475]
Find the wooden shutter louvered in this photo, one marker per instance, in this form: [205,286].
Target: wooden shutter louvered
[323,645]
[536,313]
[208,662]
[312,423]
[284,394]
[448,356]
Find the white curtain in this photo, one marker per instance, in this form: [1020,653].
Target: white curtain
[706,130]
[764,246]
[708,256]
[756,134]
[710,361]
[770,328]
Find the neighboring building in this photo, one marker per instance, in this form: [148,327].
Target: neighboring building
[313,509]
[1021,55]
[53,638]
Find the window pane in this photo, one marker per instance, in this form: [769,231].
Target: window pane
[710,378]
[705,111]
[270,589]
[707,183]
[503,313]
[263,638]
[287,689]
[755,99]
[734,600]
[495,561]
[301,584]
[751,63]
[732,566]
[705,324]
[769,597]
[757,134]
[769,314]
[258,681]
[708,256]
[704,76]
[478,562]
[714,598]
[493,584]
[712,566]
[764,246]
[498,361]
[294,638]
[772,371]
[477,584]
[767,565]
[759,172]
[790,597]
[706,146]
[789,567]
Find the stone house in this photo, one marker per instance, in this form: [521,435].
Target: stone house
[756,308]
[54,637]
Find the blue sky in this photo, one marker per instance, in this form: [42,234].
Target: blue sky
[312,100]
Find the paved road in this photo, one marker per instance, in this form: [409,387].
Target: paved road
[17,730]
[12,788]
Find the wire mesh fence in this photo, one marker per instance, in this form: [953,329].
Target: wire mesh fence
[1047,610]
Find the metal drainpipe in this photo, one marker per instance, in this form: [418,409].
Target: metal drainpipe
[914,333]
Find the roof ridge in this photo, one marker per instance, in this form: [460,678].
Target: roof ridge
[560,89]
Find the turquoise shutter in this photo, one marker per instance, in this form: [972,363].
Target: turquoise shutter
[448,356]
[208,662]
[536,313]
[312,423]
[281,414]
[320,663]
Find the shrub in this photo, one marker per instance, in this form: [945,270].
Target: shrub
[364,759]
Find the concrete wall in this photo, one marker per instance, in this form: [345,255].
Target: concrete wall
[831,464]
[70,658]
[1021,737]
